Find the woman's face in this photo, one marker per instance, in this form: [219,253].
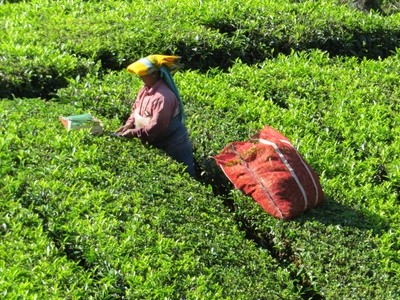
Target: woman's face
[150,79]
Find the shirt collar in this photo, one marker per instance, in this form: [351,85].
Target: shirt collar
[154,88]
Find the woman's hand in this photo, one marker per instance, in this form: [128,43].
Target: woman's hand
[125,128]
[128,133]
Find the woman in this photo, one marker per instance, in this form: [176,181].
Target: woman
[157,114]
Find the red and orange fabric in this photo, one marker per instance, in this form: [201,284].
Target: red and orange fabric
[270,170]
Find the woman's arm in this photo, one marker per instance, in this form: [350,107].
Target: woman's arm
[162,111]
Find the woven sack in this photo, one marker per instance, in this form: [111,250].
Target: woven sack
[270,170]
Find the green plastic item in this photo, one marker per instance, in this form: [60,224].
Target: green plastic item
[82,121]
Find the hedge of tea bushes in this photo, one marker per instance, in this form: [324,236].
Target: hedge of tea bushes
[30,264]
[98,217]
[45,42]
[38,71]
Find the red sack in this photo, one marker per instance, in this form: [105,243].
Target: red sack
[269,169]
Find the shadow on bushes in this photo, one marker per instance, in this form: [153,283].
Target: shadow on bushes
[331,212]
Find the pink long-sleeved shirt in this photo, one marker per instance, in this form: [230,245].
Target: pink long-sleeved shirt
[157,102]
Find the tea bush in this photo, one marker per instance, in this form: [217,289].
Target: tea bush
[30,264]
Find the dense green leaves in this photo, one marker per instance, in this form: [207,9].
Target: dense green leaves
[97,217]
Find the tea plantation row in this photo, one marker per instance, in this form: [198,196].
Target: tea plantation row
[43,43]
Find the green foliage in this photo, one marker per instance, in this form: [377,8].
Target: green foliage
[37,71]
[109,95]
[99,217]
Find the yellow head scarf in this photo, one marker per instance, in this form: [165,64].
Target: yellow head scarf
[151,63]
